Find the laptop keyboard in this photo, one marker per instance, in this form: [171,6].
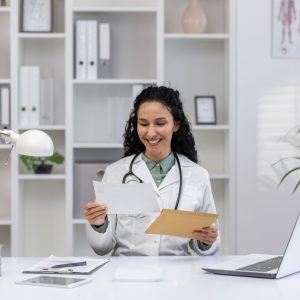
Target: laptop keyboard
[264,266]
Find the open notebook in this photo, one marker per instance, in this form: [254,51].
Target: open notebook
[265,266]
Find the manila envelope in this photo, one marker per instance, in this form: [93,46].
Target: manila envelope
[180,223]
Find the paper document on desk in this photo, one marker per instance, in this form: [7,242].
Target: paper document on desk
[122,198]
[51,264]
[180,223]
[141,274]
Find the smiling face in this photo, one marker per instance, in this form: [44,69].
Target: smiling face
[155,127]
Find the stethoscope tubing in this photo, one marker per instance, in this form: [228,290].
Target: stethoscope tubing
[130,173]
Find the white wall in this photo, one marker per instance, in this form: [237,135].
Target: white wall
[268,99]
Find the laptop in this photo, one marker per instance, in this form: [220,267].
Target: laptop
[262,265]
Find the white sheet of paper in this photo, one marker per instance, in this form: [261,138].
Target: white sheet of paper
[141,274]
[120,198]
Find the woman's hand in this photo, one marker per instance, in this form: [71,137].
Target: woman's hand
[206,235]
[95,213]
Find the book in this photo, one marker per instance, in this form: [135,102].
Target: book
[69,265]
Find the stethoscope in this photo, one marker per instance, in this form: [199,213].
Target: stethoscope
[131,174]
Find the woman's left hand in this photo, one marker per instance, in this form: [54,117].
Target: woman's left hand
[206,235]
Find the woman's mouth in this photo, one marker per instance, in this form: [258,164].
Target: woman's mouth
[153,141]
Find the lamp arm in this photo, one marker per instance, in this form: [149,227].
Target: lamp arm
[10,137]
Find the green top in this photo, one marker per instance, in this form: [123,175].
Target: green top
[160,169]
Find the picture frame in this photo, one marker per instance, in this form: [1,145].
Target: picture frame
[285,29]
[37,15]
[205,108]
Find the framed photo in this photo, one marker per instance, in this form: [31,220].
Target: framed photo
[286,29]
[205,107]
[37,15]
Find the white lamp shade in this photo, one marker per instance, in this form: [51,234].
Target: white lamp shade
[34,143]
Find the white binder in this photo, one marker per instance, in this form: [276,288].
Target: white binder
[4,107]
[81,50]
[136,89]
[34,92]
[104,50]
[84,174]
[46,102]
[92,62]
[24,96]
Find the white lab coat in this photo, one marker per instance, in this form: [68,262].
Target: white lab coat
[125,233]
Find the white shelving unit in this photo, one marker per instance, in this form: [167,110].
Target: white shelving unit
[148,47]
[5,170]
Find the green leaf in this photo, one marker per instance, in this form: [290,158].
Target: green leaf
[295,188]
[288,173]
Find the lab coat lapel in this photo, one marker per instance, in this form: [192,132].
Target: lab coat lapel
[141,170]
[171,177]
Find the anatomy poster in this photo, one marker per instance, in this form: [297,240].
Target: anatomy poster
[286,28]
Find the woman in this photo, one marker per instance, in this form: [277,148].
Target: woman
[158,138]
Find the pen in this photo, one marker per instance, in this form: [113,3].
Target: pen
[67,265]
[50,271]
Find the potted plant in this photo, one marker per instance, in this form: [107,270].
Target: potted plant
[41,165]
[292,137]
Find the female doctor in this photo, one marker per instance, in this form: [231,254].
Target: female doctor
[160,149]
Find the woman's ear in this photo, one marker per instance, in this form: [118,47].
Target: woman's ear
[177,126]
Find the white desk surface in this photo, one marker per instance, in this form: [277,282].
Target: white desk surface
[183,280]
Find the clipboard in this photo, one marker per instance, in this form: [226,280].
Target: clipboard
[180,222]
[46,266]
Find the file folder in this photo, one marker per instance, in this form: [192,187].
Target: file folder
[104,51]
[92,61]
[46,102]
[24,96]
[180,223]
[81,50]
[34,93]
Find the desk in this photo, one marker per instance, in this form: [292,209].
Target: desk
[184,280]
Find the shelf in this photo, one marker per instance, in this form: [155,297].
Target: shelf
[210,127]
[5,81]
[5,220]
[116,81]
[93,9]
[44,127]
[5,146]
[205,36]
[45,35]
[42,176]
[4,9]
[97,145]
[79,221]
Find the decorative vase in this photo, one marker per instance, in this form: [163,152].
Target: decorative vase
[43,169]
[193,18]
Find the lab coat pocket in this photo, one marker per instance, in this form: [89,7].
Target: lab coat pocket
[189,199]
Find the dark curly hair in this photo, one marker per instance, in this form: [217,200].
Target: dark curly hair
[182,141]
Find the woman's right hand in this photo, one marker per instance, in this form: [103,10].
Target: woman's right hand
[95,213]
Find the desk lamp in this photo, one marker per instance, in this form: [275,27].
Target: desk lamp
[30,142]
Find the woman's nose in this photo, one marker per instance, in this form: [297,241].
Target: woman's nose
[151,131]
